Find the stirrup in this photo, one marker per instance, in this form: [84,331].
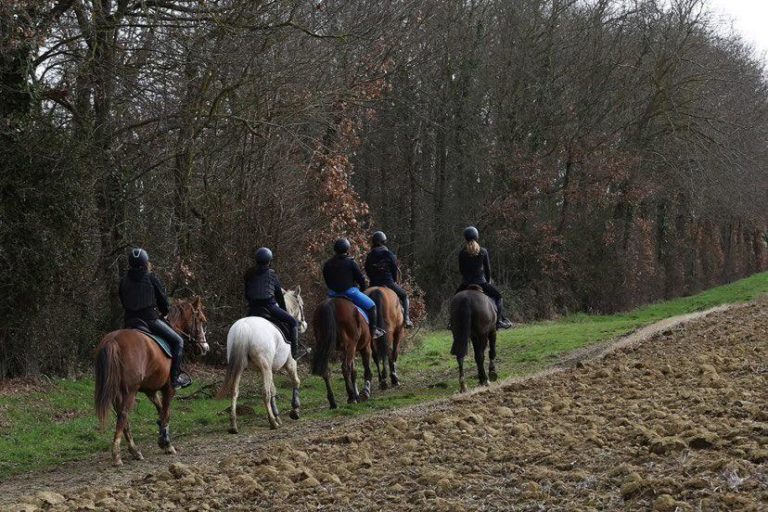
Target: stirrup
[408,323]
[378,333]
[182,381]
[503,324]
[301,351]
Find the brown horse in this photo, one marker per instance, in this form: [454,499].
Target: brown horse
[473,316]
[387,347]
[338,325]
[128,362]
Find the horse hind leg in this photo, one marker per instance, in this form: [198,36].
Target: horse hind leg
[462,382]
[233,405]
[131,445]
[492,375]
[381,354]
[479,346]
[293,374]
[329,388]
[119,432]
[393,360]
[273,404]
[367,355]
[266,374]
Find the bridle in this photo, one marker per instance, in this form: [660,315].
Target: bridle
[191,338]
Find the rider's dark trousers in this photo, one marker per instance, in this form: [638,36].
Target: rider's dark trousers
[280,315]
[165,331]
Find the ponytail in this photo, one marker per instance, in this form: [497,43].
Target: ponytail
[472,247]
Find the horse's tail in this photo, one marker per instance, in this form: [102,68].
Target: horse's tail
[326,332]
[237,359]
[461,325]
[107,378]
[377,296]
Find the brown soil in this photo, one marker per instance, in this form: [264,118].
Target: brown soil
[675,420]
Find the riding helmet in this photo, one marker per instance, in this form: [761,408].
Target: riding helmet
[263,256]
[341,246]
[471,233]
[138,258]
[379,238]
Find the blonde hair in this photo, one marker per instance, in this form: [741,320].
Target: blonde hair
[472,247]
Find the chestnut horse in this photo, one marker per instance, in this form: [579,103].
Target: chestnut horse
[339,325]
[391,319]
[473,316]
[128,362]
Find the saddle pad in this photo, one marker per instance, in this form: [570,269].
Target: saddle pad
[160,342]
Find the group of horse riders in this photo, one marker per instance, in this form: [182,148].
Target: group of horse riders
[146,303]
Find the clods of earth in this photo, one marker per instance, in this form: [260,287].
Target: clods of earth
[679,422]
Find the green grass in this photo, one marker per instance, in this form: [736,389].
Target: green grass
[43,428]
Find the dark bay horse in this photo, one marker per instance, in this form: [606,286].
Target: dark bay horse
[339,326]
[473,316]
[387,347]
[129,362]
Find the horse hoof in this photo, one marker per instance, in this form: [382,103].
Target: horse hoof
[493,376]
[294,414]
[170,450]
[138,456]
[333,405]
[383,385]
[273,425]
[232,430]
[485,383]
[364,397]
[117,463]
[462,388]
[395,383]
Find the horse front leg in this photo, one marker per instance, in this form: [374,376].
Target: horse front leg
[329,389]
[462,382]
[233,405]
[164,439]
[492,375]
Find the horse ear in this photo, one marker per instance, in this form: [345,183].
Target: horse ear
[298,289]
[196,302]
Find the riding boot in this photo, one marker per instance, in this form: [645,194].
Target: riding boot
[501,319]
[178,380]
[406,313]
[376,332]
[294,339]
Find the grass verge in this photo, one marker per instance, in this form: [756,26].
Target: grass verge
[39,429]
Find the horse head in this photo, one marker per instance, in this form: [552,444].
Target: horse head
[188,318]
[295,305]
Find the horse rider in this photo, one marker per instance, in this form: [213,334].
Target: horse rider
[344,279]
[144,300]
[475,267]
[381,268]
[264,294]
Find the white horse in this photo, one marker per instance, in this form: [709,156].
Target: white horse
[256,342]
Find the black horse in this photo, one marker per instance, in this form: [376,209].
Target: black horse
[473,316]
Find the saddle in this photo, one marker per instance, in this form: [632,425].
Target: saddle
[140,325]
[264,313]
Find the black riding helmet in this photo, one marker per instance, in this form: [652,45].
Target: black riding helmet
[263,256]
[341,246]
[379,238]
[138,258]
[471,233]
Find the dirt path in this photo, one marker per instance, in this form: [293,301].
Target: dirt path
[671,417]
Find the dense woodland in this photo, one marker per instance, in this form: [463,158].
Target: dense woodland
[611,153]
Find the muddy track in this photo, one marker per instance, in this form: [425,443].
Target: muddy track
[673,417]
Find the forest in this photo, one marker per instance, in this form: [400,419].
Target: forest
[611,153]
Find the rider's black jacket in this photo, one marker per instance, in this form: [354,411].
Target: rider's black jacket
[381,266]
[342,273]
[475,269]
[262,287]
[142,295]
